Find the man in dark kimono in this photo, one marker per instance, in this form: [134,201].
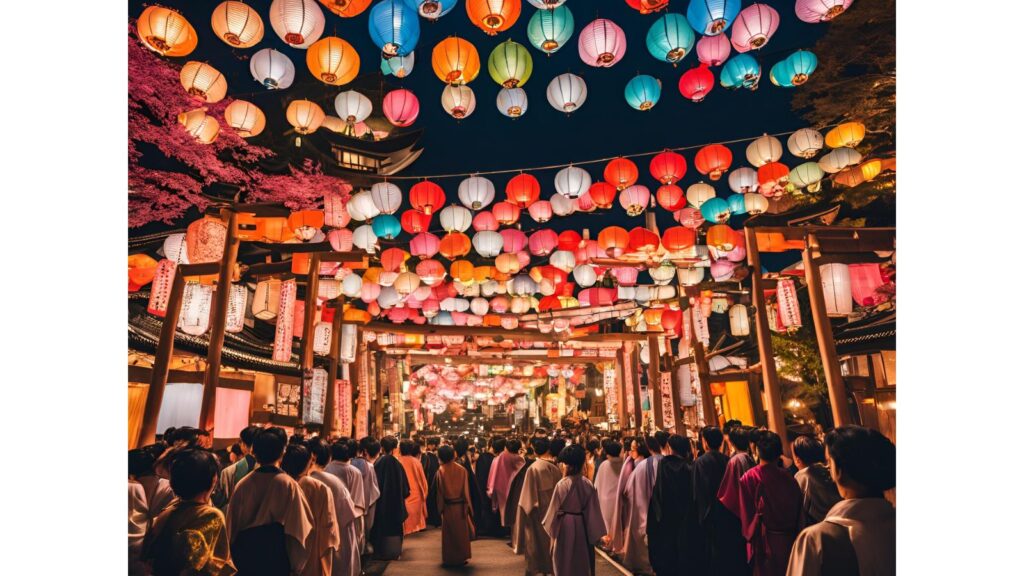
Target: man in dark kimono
[514,492]
[391,513]
[461,446]
[671,517]
[708,471]
[487,520]
[430,465]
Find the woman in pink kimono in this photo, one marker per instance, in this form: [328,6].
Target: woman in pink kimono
[574,519]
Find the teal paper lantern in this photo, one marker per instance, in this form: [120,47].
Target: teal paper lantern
[387,227]
[715,210]
[794,70]
[670,38]
[741,71]
[736,204]
[549,30]
[643,92]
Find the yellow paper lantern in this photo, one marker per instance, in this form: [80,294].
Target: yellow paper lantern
[203,82]
[245,118]
[237,24]
[200,125]
[166,32]
[871,169]
[455,61]
[333,61]
[305,116]
[846,135]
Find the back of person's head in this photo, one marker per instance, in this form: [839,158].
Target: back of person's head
[406,447]
[514,446]
[445,454]
[540,432]
[370,445]
[236,449]
[612,448]
[863,455]
[680,446]
[297,438]
[497,443]
[433,442]
[540,444]
[662,437]
[461,446]
[193,472]
[653,445]
[593,444]
[556,446]
[809,450]
[320,451]
[186,435]
[268,447]
[388,444]
[248,434]
[296,459]
[641,446]
[754,434]
[713,437]
[729,425]
[417,450]
[140,462]
[573,457]
[340,450]
[769,446]
[739,438]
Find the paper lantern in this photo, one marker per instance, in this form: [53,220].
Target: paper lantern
[455,219]
[543,242]
[196,302]
[584,275]
[795,69]
[166,32]
[510,64]
[175,248]
[424,245]
[454,245]
[741,71]
[838,159]
[522,190]
[737,204]
[205,239]
[160,290]
[512,102]
[245,118]
[414,221]
[431,272]
[365,238]
[506,213]
[394,27]
[493,16]
[462,271]
[361,206]
[386,197]
[625,276]
[772,177]
[670,38]
[815,11]
[643,92]
[398,66]
[678,238]
[567,92]
[715,210]
[507,263]
[602,43]
[306,223]
[341,239]
[634,200]
[846,135]
[549,30]
[643,240]
[754,27]
[572,181]
[401,107]
[764,150]
[237,24]
[563,205]
[387,227]
[699,193]
[433,9]
[743,180]
[805,143]
[721,237]
[406,283]
[614,240]
[695,83]
[837,289]
[476,192]
[670,197]
[514,240]
[369,291]
[200,125]
[755,203]
[563,260]
[426,197]
[711,17]
[621,173]
[392,259]
[305,116]
[485,221]
[540,211]
[352,286]
[713,160]
[203,82]
[352,107]
[298,22]
[272,69]
[455,60]
[333,61]
[713,50]
[458,101]
[546,4]
[346,8]
[690,276]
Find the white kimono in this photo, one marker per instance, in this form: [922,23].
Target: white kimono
[859,533]
[639,488]
[264,497]
[138,523]
[346,558]
[606,483]
[575,524]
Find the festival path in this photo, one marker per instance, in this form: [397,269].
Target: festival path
[421,556]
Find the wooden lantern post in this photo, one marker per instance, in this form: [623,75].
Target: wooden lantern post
[162,362]
[218,322]
[333,369]
[654,381]
[678,414]
[700,363]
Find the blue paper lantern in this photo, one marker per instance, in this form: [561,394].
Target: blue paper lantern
[549,30]
[712,17]
[443,318]
[741,71]
[387,227]
[643,92]
[736,204]
[670,38]
[394,27]
[715,210]
[432,9]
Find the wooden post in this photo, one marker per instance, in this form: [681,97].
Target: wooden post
[654,381]
[309,311]
[378,409]
[678,414]
[218,322]
[826,343]
[162,363]
[638,405]
[700,363]
[772,390]
[333,370]
[620,384]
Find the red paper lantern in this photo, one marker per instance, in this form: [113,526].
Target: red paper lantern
[713,160]
[426,197]
[695,83]
[543,242]
[621,173]
[670,197]
[506,213]
[514,240]
[647,6]
[414,221]
[678,238]
[454,245]
[643,240]
[602,194]
[614,240]
[772,173]
[569,240]
[523,190]
[392,259]
[485,222]
[668,167]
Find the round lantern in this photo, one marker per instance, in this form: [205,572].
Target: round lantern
[424,245]
[795,69]
[398,66]
[695,83]
[715,210]
[643,92]
[200,125]
[401,107]
[352,285]
[392,259]
[584,275]
[454,245]
[572,181]
[602,43]
[838,159]
[670,38]
[764,150]
[237,24]
[837,288]
[614,240]
[737,204]
[713,50]
[510,64]
[755,203]
[455,60]
[386,197]
[431,272]
[549,30]
[635,199]
[493,16]
[662,274]
[507,263]
[476,192]
[298,22]
[512,102]
[713,160]
[272,69]
[643,240]
[458,101]
[506,213]
[346,8]
[394,27]
[805,143]
[340,239]
[690,276]
[563,260]
[846,135]
[406,283]
[621,173]
[563,205]
[522,190]
[361,206]
[585,203]
[772,177]
[485,221]
[540,211]
[387,227]
[699,193]
[203,82]
[543,242]
[333,61]
[754,26]
[807,175]
[245,118]
[670,197]
[722,270]
[815,11]
[546,4]
[305,116]
[569,240]
[352,107]
[462,270]
[166,32]
[426,197]
[567,92]
[678,238]
[712,17]
[668,167]
[741,71]
[479,306]
[414,221]
[721,237]
[743,180]
[455,219]
[433,9]
[365,239]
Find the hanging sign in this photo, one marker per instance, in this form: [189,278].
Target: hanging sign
[700,326]
[287,400]
[686,396]
[363,411]
[314,395]
[344,407]
[285,322]
[789,306]
[668,408]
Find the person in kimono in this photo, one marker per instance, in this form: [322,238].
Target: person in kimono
[368,449]
[462,458]
[231,475]
[487,520]
[515,491]
[538,486]
[391,511]
[607,480]
[858,536]
[430,465]
[416,502]
[672,538]
[573,520]
[620,513]
[733,545]
[325,539]
[340,465]
[770,503]
[138,523]
[157,490]
[708,471]
[499,483]
[455,509]
[635,555]
[814,479]
[269,521]
[190,535]
[347,561]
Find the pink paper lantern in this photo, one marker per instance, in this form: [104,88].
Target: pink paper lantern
[340,239]
[589,250]
[401,107]
[713,50]
[585,203]
[540,211]
[689,217]
[398,315]
[514,240]
[424,245]
[722,270]
[524,258]
[626,276]
[865,279]
[335,213]
[369,291]
[430,272]
[602,43]
[597,297]
[160,289]
[500,304]
[543,242]
[753,27]
[815,11]
[485,222]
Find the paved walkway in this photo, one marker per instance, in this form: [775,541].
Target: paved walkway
[421,556]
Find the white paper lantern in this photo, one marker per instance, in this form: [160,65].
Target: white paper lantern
[175,249]
[455,218]
[272,69]
[386,197]
[196,302]
[349,341]
[364,239]
[754,203]
[838,159]
[564,260]
[388,297]
[476,192]
[572,181]
[805,143]
[699,193]
[764,150]
[267,299]
[739,322]
[662,275]
[635,199]
[584,275]
[352,107]
[458,101]
[322,338]
[487,243]
[743,180]
[361,206]
[479,306]
[488,288]
[626,292]
[512,102]
[298,22]
[690,276]
[562,205]
[567,92]
[523,285]
[836,285]
[352,285]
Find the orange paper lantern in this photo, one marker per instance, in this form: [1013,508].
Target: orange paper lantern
[614,240]
[678,238]
[523,190]
[426,197]
[454,245]
[713,160]
[621,173]
[602,194]
[493,16]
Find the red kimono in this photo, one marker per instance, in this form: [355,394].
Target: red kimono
[770,503]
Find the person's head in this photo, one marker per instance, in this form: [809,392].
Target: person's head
[433,442]
[445,454]
[246,437]
[268,447]
[140,463]
[662,437]
[612,449]
[297,438]
[593,445]
[236,451]
[769,446]
[807,450]
[862,461]
[497,444]
[738,438]
[541,445]
[296,461]
[320,451]
[729,425]
[461,446]
[406,447]
[753,435]
[556,447]
[572,457]
[711,437]
[653,446]
[640,447]
[680,446]
[388,444]
[540,432]
[514,446]
[369,446]
[186,436]
[194,474]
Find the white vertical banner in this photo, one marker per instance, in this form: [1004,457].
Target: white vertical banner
[668,411]
[700,326]
[686,395]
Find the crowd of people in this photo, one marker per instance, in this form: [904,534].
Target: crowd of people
[726,502]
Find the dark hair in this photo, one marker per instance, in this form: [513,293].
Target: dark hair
[612,448]
[461,445]
[296,458]
[140,462]
[318,448]
[556,447]
[593,445]
[662,437]
[417,450]
[729,425]
[236,449]
[739,438]
[269,445]
[641,446]
[863,455]
[680,447]
[433,441]
[446,454]
[573,457]
[406,447]
[652,444]
[809,449]
[370,445]
[187,434]
[713,436]
[769,446]
[297,439]
[754,434]
[540,432]
[388,443]
[514,446]
[541,445]
[248,434]
[497,443]
[193,472]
